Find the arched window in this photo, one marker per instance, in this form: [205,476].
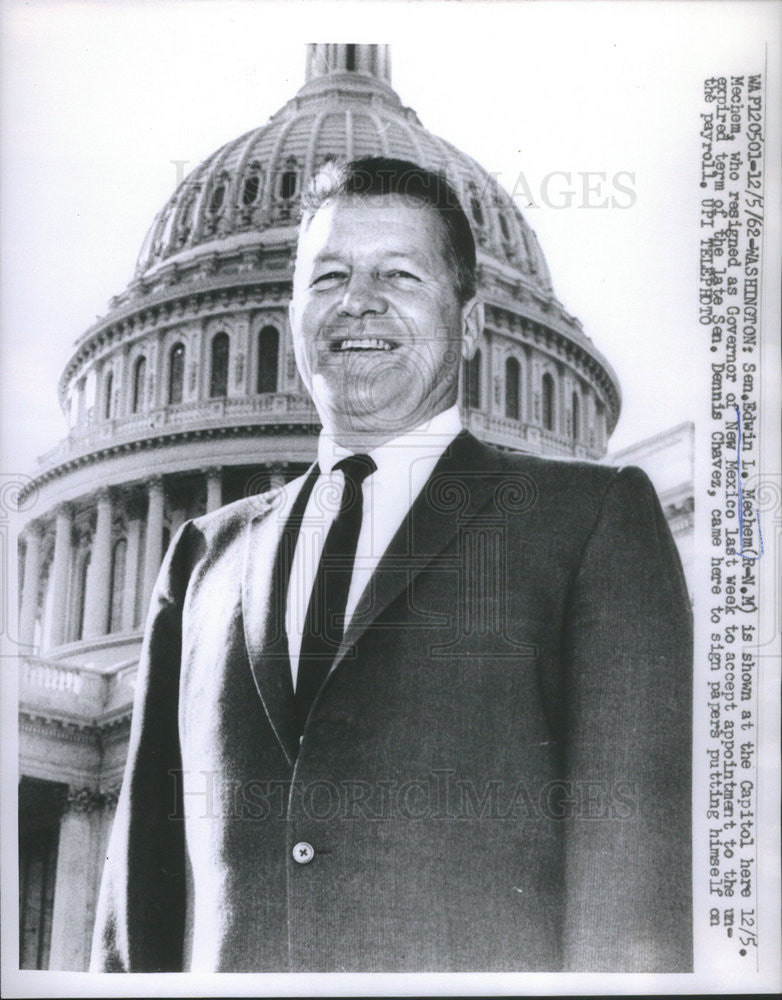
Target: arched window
[548,402]
[268,359]
[474,381]
[139,383]
[576,406]
[218,380]
[216,201]
[251,188]
[288,184]
[117,586]
[512,373]
[108,388]
[176,373]
[350,57]
[504,227]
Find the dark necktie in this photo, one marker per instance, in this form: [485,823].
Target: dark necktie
[324,624]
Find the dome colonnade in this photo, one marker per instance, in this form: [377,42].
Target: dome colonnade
[185,396]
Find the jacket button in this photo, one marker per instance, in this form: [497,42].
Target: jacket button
[303,853]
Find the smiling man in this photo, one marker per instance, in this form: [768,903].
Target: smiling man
[427,707]
[382,312]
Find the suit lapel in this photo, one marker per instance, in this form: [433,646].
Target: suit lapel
[268,555]
[464,480]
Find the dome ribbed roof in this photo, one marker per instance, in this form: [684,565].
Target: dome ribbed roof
[252,183]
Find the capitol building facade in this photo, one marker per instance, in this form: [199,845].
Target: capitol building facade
[185,396]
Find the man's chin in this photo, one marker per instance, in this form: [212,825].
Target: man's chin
[364,430]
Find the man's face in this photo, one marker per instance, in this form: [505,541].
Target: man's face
[378,328]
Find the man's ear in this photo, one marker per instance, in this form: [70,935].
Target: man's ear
[472,326]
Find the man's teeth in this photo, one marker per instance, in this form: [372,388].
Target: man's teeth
[365,344]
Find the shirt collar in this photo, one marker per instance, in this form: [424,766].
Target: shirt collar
[429,438]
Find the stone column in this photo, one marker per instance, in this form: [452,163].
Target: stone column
[276,476]
[81,401]
[197,366]
[176,519]
[240,371]
[32,570]
[131,572]
[96,603]
[528,413]
[214,488]
[79,868]
[121,381]
[601,427]
[60,573]
[590,435]
[153,547]
[154,391]
[560,423]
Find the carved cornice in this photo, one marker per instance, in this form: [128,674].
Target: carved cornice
[574,353]
[51,724]
[306,428]
[67,729]
[17,494]
[148,312]
[685,506]
[87,799]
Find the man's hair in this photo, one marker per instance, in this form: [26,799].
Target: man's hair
[380,175]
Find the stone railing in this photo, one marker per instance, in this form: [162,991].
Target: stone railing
[552,443]
[76,694]
[526,437]
[37,674]
[121,687]
[61,688]
[263,409]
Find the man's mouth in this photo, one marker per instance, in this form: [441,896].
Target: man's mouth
[363,344]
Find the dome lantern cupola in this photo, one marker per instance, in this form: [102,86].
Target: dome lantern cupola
[325,58]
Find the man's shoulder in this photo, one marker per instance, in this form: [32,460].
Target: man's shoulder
[563,490]
[233,518]
[545,472]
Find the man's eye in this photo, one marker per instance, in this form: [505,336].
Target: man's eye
[399,273]
[329,278]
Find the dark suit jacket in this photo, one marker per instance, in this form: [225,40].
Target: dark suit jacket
[494,776]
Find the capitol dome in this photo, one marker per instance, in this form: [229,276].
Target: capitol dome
[229,230]
[251,185]
[185,396]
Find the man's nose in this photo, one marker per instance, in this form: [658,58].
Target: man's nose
[362,296]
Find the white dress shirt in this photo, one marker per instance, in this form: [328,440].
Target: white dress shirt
[403,466]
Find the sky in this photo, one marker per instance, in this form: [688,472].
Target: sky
[99,100]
